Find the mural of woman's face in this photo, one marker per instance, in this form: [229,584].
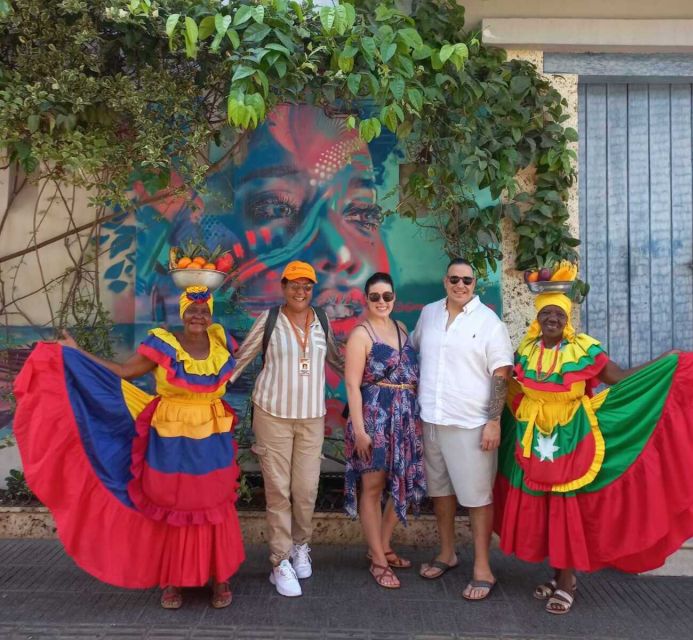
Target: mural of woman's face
[306,191]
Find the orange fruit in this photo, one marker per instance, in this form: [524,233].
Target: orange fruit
[200,260]
[194,265]
[533,277]
[210,265]
[183,262]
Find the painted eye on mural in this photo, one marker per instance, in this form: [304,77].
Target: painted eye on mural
[367,218]
[271,206]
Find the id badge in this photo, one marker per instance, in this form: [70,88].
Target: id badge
[304,366]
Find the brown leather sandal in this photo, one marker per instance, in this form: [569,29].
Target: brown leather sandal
[172,598]
[395,561]
[221,595]
[381,573]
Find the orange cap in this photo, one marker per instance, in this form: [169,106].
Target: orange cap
[297,269]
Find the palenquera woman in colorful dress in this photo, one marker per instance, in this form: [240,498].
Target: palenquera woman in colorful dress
[593,481]
[142,488]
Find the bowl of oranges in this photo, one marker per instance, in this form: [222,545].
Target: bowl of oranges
[194,265]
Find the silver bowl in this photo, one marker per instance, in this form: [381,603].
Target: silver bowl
[184,278]
[552,286]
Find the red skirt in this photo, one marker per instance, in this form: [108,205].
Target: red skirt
[639,507]
[75,435]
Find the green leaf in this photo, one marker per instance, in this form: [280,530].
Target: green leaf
[368,47]
[232,35]
[519,84]
[349,51]
[258,14]
[397,87]
[296,6]
[262,79]
[383,13]
[275,46]
[33,122]
[445,52]
[570,134]
[222,23]
[256,32]
[171,23]
[345,64]
[387,51]
[191,33]
[243,14]
[327,17]
[354,82]
[410,37]
[281,68]
[422,52]
[350,15]
[207,27]
[406,66]
[416,98]
[340,22]
[284,39]
[242,71]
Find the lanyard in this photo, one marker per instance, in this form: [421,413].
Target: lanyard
[302,341]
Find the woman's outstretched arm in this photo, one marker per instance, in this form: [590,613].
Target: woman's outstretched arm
[134,367]
[612,373]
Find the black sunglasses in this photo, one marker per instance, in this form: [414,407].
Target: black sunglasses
[456,279]
[388,296]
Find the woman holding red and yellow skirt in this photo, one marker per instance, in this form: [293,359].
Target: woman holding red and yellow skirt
[592,481]
[142,488]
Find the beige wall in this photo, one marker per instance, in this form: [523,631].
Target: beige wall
[475,10]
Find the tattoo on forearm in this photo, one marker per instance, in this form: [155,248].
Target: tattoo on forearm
[499,391]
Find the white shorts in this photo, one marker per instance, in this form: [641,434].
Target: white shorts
[456,464]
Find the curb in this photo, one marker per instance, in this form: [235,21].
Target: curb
[328,528]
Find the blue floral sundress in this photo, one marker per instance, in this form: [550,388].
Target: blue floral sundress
[391,419]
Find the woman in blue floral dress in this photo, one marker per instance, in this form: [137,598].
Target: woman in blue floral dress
[383,437]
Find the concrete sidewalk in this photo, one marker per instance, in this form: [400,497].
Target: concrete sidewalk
[44,595]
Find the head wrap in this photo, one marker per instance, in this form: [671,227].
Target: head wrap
[195,295]
[557,300]
[297,269]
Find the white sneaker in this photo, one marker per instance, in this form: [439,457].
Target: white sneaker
[283,577]
[300,558]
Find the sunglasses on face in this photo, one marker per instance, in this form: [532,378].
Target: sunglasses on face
[388,296]
[456,279]
[297,286]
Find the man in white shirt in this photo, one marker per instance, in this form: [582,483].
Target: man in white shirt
[466,360]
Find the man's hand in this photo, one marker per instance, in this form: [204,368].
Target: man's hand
[491,435]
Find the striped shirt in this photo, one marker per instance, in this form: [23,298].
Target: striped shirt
[280,389]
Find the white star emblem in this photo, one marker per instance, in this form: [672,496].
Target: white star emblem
[546,447]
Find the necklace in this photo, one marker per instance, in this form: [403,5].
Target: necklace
[552,368]
[303,360]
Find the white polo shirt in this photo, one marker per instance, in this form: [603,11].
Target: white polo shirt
[457,364]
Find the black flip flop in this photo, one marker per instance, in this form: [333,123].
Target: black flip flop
[438,564]
[479,584]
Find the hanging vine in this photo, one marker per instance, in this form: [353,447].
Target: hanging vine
[104,93]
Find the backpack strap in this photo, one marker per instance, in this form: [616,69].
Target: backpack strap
[324,322]
[270,323]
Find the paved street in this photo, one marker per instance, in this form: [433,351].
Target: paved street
[44,595]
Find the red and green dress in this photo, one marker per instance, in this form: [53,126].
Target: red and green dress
[142,488]
[592,481]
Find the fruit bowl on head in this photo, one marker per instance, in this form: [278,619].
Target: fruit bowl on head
[552,286]
[210,278]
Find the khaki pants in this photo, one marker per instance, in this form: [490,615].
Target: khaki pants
[289,452]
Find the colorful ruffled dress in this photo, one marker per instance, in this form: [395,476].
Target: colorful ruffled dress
[142,488]
[593,481]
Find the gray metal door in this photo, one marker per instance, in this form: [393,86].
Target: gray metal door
[636,217]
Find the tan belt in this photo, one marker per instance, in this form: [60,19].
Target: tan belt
[389,385]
